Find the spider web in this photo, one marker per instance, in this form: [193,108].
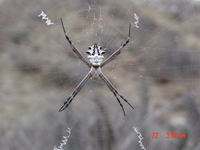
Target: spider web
[157,72]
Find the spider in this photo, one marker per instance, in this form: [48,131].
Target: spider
[95,56]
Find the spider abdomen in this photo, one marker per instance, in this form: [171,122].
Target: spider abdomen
[95,59]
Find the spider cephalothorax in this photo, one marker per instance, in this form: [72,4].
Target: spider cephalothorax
[95,56]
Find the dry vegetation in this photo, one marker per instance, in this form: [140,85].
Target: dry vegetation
[158,73]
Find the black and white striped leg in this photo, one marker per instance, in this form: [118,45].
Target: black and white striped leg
[117,52]
[80,56]
[76,91]
[115,92]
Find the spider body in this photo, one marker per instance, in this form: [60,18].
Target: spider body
[95,72]
[95,55]
[96,62]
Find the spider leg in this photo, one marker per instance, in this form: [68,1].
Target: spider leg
[75,91]
[115,92]
[80,56]
[117,52]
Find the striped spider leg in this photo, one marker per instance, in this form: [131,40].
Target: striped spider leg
[118,51]
[95,56]
[80,56]
[115,92]
[75,92]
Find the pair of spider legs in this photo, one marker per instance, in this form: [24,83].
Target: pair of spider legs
[99,73]
[83,82]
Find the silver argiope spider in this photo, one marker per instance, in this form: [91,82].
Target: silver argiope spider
[95,56]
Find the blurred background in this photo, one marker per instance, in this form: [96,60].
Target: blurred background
[158,72]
